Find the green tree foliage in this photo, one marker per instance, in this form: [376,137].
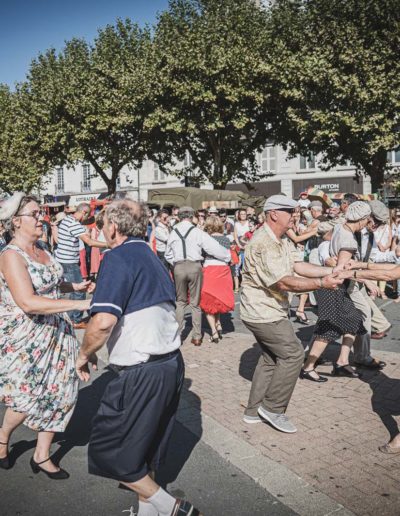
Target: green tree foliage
[214,87]
[20,167]
[339,71]
[91,102]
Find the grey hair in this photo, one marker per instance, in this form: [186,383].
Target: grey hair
[129,216]
[82,206]
[186,215]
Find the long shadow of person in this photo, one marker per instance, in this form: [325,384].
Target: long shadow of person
[248,361]
[186,434]
[385,399]
[78,430]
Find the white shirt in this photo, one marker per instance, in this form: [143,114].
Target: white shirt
[196,241]
[323,252]
[137,335]
[161,234]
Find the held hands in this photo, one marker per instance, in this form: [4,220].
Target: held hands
[373,288]
[331,282]
[84,286]
[82,366]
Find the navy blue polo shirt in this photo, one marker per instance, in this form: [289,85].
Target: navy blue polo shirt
[131,278]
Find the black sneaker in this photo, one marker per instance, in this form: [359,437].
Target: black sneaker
[184,508]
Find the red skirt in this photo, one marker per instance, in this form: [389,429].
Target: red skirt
[217,290]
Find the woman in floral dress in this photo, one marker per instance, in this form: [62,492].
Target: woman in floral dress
[38,347]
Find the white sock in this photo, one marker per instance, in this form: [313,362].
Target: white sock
[163,502]
[146,509]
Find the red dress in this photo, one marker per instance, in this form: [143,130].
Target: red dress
[217,295]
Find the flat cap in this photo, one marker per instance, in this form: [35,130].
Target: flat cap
[212,209]
[379,211]
[325,227]
[357,211]
[315,204]
[186,209]
[280,202]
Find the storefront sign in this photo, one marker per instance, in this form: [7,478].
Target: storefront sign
[328,185]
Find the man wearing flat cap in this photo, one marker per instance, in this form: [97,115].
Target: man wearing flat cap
[184,250]
[270,265]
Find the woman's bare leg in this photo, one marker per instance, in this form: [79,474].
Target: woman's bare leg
[42,451]
[316,351]
[211,321]
[11,421]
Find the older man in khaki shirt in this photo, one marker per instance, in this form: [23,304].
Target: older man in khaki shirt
[270,266]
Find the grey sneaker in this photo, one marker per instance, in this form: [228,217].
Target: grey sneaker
[251,420]
[279,421]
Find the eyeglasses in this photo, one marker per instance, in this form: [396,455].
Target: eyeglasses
[287,210]
[36,214]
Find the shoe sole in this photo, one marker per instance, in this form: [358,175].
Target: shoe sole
[266,418]
[252,421]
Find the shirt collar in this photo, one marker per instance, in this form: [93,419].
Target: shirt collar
[271,234]
[129,239]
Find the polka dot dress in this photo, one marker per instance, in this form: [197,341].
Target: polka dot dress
[337,315]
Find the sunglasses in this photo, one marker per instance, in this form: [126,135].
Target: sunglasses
[291,211]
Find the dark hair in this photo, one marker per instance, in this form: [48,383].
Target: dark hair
[163,211]
[350,198]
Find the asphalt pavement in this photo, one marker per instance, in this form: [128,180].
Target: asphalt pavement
[193,471]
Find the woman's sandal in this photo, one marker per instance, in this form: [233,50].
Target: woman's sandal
[214,338]
[219,330]
[5,461]
[305,375]
[390,450]
[302,318]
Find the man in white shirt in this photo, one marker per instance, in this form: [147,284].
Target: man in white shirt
[184,252]
[162,234]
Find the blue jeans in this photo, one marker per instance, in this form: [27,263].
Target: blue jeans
[72,274]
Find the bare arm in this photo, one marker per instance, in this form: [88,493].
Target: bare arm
[16,275]
[93,243]
[97,333]
[312,271]
[297,284]
[300,238]
[374,274]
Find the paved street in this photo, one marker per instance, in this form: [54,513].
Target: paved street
[194,470]
[331,465]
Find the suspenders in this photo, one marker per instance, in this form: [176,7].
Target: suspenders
[183,239]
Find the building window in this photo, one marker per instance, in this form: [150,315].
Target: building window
[307,162]
[158,174]
[268,159]
[393,156]
[60,180]
[86,178]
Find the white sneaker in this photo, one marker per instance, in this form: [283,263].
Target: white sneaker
[251,420]
[279,421]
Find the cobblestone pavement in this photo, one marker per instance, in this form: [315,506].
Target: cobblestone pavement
[340,423]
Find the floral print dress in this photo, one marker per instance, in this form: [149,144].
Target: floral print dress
[37,354]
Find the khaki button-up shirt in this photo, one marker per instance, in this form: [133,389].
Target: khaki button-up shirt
[267,260]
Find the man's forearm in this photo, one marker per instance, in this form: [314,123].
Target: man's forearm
[378,274]
[296,284]
[312,271]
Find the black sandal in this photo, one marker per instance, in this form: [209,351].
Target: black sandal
[305,375]
[5,461]
[302,318]
[219,331]
[214,338]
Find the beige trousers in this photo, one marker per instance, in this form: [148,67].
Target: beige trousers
[278,368]
[188,279]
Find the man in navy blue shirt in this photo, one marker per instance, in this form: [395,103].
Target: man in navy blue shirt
[133,310]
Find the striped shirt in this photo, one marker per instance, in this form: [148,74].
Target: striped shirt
[69,230]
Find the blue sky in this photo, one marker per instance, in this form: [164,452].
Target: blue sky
[28,27]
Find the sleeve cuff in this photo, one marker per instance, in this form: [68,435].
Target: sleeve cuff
[108,308]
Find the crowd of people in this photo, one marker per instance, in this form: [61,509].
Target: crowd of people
[144,268]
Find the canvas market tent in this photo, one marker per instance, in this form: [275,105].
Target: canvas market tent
[196,198]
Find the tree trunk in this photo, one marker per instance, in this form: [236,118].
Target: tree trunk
[376,170]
